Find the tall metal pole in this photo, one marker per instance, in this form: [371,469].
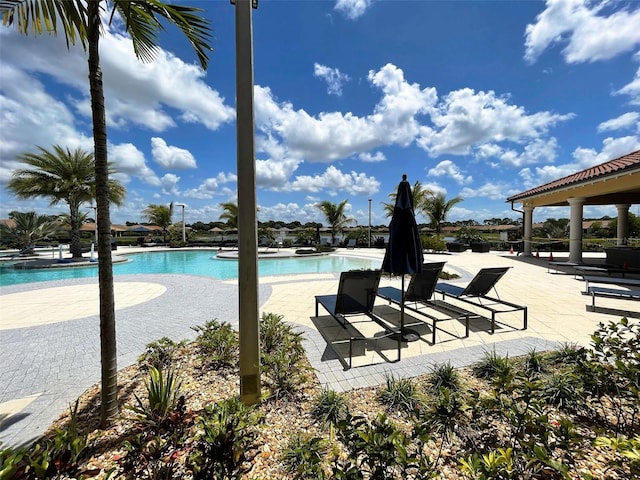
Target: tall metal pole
[369,223]
[247,216]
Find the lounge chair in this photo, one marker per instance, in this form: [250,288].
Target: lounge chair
[475,293]
[351,243]
[418,298]
[356,295]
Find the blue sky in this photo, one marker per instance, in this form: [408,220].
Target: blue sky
[477,99]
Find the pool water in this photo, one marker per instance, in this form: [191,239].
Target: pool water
[197,262]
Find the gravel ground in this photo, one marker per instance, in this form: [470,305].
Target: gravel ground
[281,418]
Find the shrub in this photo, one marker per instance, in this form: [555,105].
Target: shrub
[495,368]
[534,363]
[228,430]
[303,456]
[444,375]
[445,412]
[282,354]
[217,343]
[330,407]
[400,394]
[162,398]
[159,353]
[50,458]
[433,243]
[561,390]
[568,354]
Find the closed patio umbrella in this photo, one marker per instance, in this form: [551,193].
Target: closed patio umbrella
[404,250]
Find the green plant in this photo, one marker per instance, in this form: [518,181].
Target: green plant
[495,465]
[627,452]
[217,343]
[159,353]
[445,412]
[50,458]
[303,456]
[282,354]
[443,375]
[561,390]
[495,368]
[568,354]
[162,398]
[400,394]
[228,430]
[534,363]
[376,450]
[434,243]
[330,407]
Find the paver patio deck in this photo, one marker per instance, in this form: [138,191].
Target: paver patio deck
[49,339]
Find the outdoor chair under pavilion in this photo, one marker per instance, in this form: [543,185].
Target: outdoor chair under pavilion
[475,293]
[418,298]
[357,291]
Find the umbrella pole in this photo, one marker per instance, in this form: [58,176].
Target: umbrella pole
[401,336]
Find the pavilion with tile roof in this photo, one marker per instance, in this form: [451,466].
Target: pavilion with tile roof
[616,182]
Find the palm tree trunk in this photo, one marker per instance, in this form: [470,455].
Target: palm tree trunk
[74,220]
[108,359]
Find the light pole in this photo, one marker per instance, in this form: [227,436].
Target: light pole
[184,231]
[369,223]
[249,327]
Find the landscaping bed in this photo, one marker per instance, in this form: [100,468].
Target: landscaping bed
[570,414]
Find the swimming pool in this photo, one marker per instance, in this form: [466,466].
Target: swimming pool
[191,262]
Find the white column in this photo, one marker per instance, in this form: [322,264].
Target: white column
[528,230]
[575,230]
[623,224]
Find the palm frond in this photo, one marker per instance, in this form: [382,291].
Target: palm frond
[39,16]
[143,21]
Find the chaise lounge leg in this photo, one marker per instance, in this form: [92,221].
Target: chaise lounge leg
[525,318]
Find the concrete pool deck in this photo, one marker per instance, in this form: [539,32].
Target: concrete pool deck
[49,338]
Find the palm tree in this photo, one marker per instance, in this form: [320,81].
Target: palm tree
[82,21]
[437,208]
[28,229]
[160,215]
[229,214]
[334,214]
[63,176]
[420,197]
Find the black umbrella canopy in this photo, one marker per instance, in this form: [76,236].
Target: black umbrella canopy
[404,250]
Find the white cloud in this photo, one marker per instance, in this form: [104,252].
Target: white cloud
[493,190]
[447,168]
[130,161]
[169,184]
[212,186]
[135,92]
[583,158]
[538,151]
[335,135]
[626,120]
[289,212]
[588,29]
[30,116]
[170,156]
[275,173]
[632,89]
[371,158]
[335,182]
[465,118]
[333,76]
[352,9]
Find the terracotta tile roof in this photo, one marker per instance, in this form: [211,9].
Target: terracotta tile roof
[631,161]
